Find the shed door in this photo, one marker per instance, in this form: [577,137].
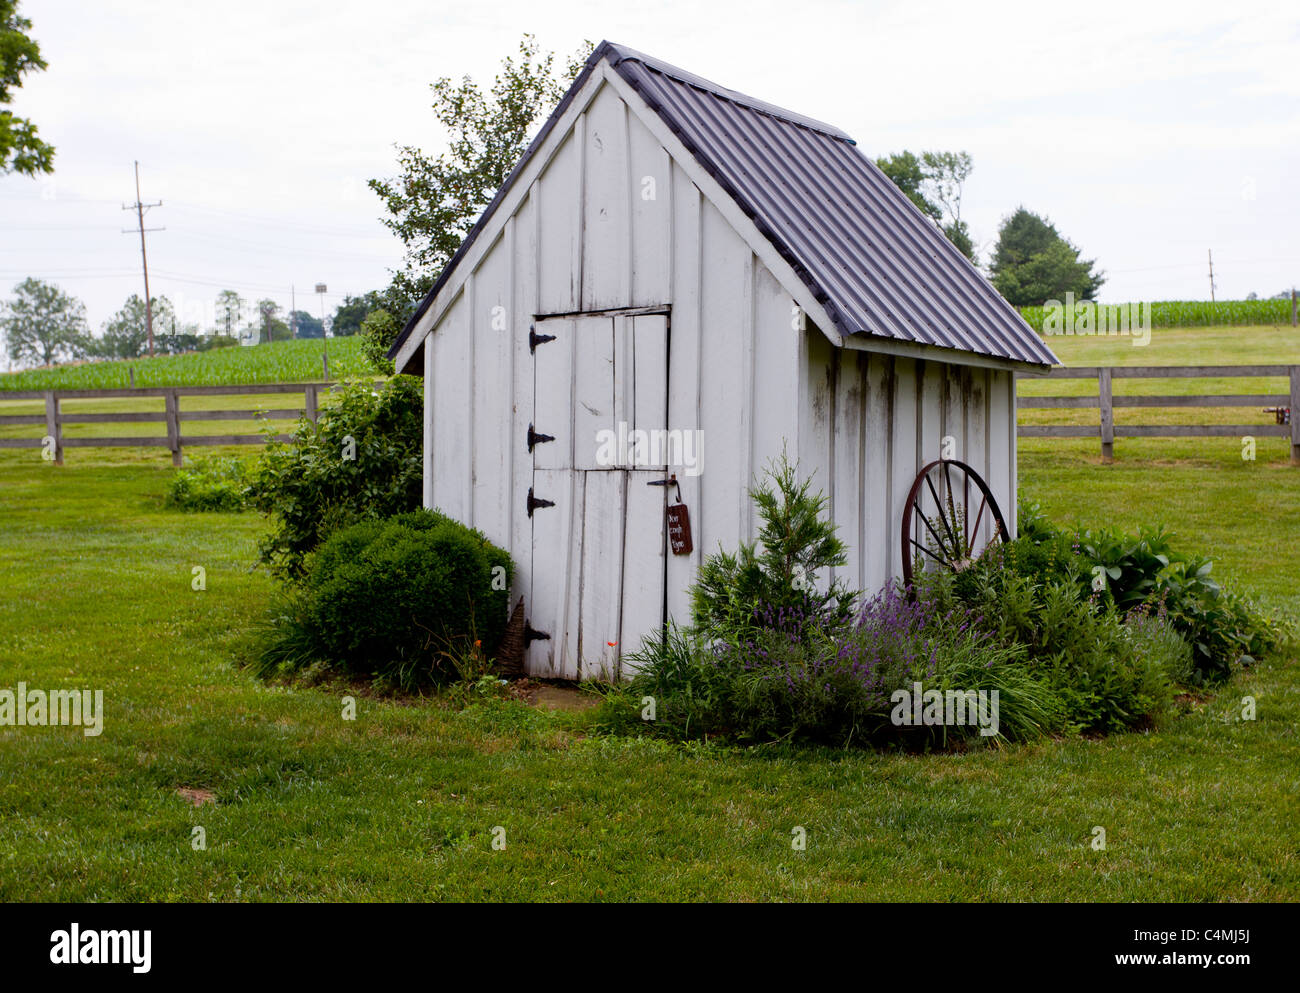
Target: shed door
[598,526]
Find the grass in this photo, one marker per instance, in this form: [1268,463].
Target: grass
[1171,347]
[279,362]
[400,804]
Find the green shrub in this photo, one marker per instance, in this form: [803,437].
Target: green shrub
[778,573]
[405,600]
[1142,571]
[361,460]
[378,332]
[219,484]
[833,680]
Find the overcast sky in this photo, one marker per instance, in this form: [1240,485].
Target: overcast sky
[1148,132]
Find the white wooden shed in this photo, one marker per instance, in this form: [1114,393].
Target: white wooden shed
[673,257]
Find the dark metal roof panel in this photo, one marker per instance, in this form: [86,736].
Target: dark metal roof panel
[877,264]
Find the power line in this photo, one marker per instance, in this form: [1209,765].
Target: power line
[139,209]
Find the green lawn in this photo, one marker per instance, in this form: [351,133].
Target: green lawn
[400,804]
[95,591]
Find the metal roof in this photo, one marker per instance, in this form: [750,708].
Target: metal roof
[877,265]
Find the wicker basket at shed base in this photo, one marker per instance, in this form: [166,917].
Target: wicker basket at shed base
[510,657]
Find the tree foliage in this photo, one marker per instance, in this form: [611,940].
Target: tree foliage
[908,175]
[21,149]
[934,182]
[779,571]
[352,311]
[1033,263]
[231,308]
[269,325]
[359,461]
[378,332]
[42,324]
[434,200]
[306,326]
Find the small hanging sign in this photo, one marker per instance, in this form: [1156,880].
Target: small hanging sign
[679,529]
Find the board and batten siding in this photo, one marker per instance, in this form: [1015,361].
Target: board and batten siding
[612,222]
[869,424]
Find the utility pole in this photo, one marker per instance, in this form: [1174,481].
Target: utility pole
[139,209]
[1210,251]
[293,312]
[325,354]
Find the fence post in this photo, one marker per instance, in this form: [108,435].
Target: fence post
[1107,415]
[309,402]
[54,426]
[172,405]
[1295,415]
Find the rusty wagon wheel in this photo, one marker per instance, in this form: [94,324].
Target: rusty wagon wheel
[939,524]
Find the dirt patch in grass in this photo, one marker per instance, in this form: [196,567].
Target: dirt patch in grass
[196,795]
[560,696]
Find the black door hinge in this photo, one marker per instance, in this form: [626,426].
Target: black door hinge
[535,502]
[530,635]
[536,439]
[535,339]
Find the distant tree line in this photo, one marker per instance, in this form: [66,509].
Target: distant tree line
[1031,264]
[43,325]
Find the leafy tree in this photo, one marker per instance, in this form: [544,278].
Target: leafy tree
[934,183]
[378,332]
[359,461]
[908,174]
[230,311]
[269,325]
[42,324]
[1022,235]
[435,200]
[1032,263]
[126,333]
[306,326]
[21,151]
[352,311]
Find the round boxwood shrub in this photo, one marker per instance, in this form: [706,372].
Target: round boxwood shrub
[404,597]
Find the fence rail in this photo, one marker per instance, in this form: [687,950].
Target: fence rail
[171,416]
[1106,402]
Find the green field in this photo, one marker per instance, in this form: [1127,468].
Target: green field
[280,362]
[1178,313]
[400,804]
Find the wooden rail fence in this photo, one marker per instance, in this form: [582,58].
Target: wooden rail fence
[172,416]
[1106,401]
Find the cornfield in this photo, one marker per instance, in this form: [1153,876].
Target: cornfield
[280,362]
[1192,313]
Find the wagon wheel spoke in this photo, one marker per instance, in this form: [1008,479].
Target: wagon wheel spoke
[965,508]
[941,561]
[978,517]
[939,505]
[930,527]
